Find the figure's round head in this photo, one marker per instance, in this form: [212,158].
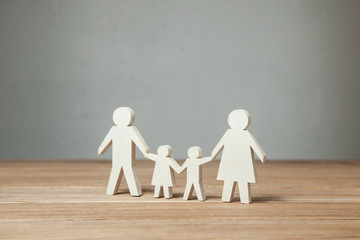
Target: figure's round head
[239,119]
[194,152]
[124,116]
[164,151]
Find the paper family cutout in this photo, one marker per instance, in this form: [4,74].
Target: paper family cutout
[236,165]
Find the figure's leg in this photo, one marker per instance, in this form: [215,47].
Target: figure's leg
[168,193]
[157,192]
[245,194]
[188,191]
[199,189]
[228,191]
[133,181]
[114,180]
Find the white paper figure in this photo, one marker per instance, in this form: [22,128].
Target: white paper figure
[194,173]
[237,161]
[163,176]
[123,137]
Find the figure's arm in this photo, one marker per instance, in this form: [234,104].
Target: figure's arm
[151,156]
[175,165]
[106,143]
[182,168]
[139,140]
[205,160]
[256,147]
[219,147]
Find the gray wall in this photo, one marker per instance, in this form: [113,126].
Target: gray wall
[182,66]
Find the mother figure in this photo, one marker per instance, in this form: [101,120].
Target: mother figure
[237,161]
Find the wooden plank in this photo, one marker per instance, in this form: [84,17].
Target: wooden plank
[66,200]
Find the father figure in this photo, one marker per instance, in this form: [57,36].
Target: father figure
[123,137]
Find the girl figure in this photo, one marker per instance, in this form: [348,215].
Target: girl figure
[163,176]
[237,161]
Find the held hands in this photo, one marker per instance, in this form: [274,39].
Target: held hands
[151,156]
[181,169]
[147,153]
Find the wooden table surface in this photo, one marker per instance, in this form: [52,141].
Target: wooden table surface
[66,200]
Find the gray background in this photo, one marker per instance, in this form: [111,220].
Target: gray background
[182,66]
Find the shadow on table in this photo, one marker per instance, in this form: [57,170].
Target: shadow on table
[254,199]
[266,199]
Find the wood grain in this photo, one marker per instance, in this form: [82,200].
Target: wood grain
[66,200]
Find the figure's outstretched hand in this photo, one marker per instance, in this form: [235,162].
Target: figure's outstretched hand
[106,143]
[263,158]
[99,152]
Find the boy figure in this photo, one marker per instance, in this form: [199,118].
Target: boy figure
[194,173]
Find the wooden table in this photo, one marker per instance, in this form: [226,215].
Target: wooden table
[66,200]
